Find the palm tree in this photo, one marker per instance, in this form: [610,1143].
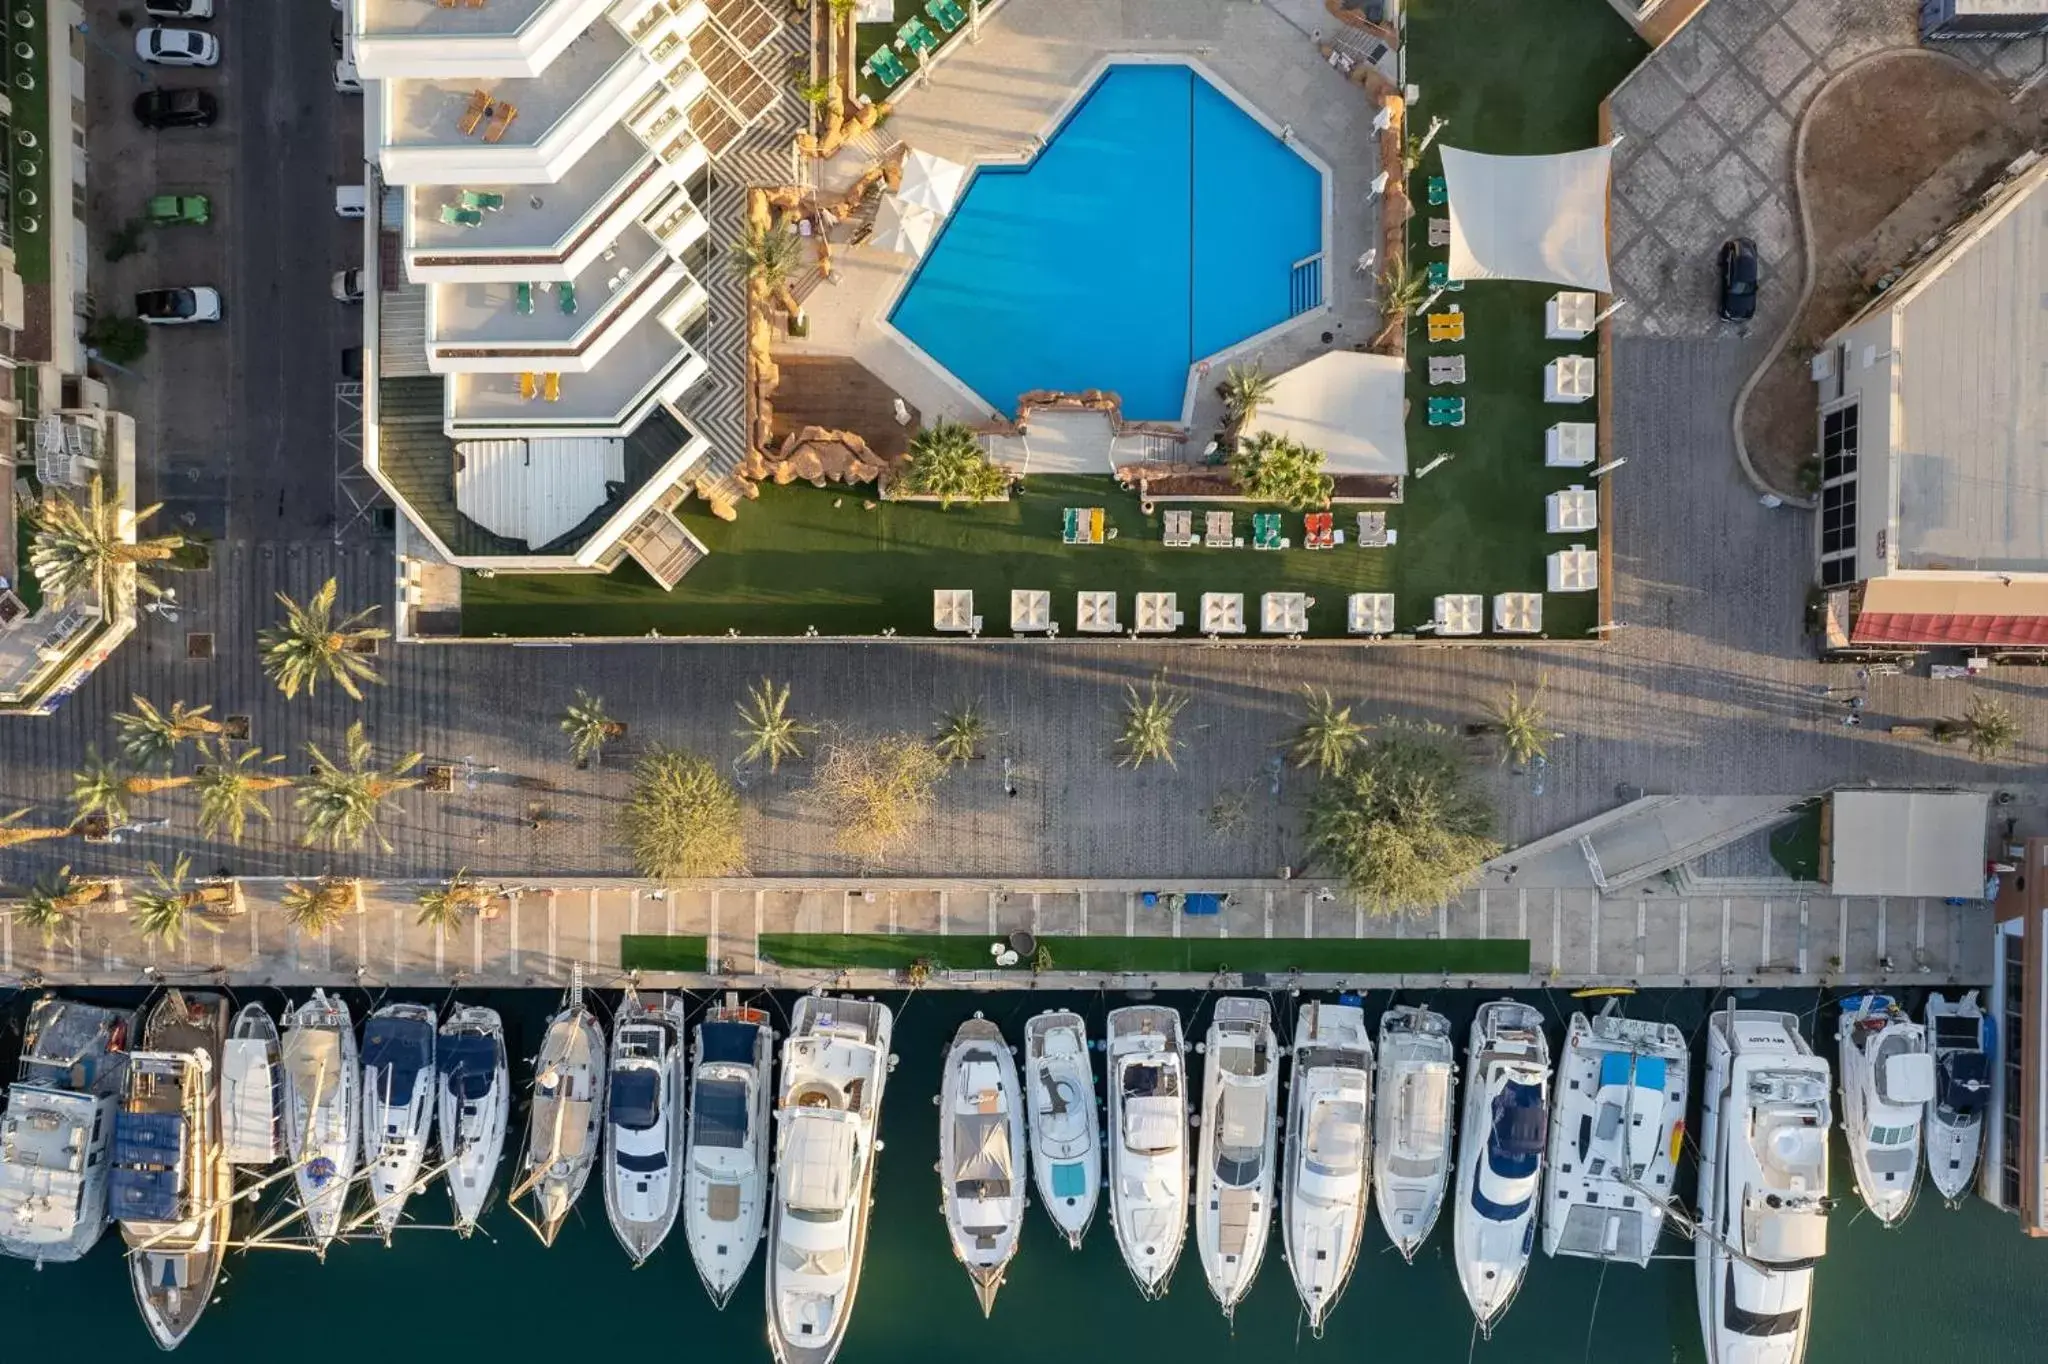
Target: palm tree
[100,788]
[1523,725]
[311,646]
[588,727]
[770,731]
[444,907]
[52,903]
[1245,389]
[961,733]
[166,910]
[151,736]
[1328,738]
[1148,725]
[817,94]
[77,547]
[231,788]
[767,257]
[947,462]
[1402,289]
[341,801]
[13,835]
[1987,727]
[1275,468]
[315,908]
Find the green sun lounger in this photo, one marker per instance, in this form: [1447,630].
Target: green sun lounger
[522,298]
[946,14]
[883,66]
[1439,191]
[479,200]
[565,294]
[1265,530]
[1440,277]
[461,217]
[915,37]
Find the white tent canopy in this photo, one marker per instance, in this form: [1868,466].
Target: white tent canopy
[1540,218]
[904,228]
[536,491]
[1349,406]
[1908,843]
[931,182]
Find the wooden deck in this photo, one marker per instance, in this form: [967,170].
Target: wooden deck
[840,393]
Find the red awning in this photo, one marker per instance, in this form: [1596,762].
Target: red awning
[2020,632]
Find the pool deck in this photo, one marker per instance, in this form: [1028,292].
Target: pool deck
[992,101]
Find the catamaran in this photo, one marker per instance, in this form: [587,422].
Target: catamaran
[1763,1187]
[1887,1080]
[645,1127]
[252,1090]
[1148,1142]
[1326,1168]
[1412,1123]
[398,1105]
[172,1187]
[725,1193]
[475,1102]
[1962,1087]
[1239,1151]
[321,1111]
[981,1135]
[567,1115]
[58,1124]
[834,1066]
[1500,1155]
[1616,1125]
[1066,1140]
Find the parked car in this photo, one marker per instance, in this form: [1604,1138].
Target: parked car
[176,307]
[178,9]
[167,209]
[348,286]
[177,46]
[351,201]
[1738,279]
[176,109]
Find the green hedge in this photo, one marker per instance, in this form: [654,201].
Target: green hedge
[969,951]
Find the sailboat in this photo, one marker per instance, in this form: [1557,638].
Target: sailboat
[834,1066]
[645,1122]
[474,1098]
[981,1136]
[252,1090]
[1500,1155]
[321,1115]
[398,1105]
[1616,1125]
[1962,1087]
[1238,1156]
[1887,1080]
[1326,1168]
[1066,1139]
[725,1193]
[566,1117]
[172,1187]
[58,1124]
[1411,1125]
[1763,1187]
[1148,1142]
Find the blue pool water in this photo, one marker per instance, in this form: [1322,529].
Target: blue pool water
[1159,225]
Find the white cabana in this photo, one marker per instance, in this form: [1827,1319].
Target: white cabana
[1030,610]
[1348,405]
[1370,613]
[1572,509]
[1541,218]
[931,182]
[903,228]
[1569,445]
[1223,613]
[536,491]
[1518,613]
[1284,613]
[1568,379]
[1460,613]
[1573,570]
[1158,613]
[1907,843]
[953,610]
[1568,316]
[1095,613]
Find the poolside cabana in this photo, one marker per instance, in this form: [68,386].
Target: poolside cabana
[1351,406]
[931,182]
[1095,613]
[1223,613]
[1159,613]
[1284,613]
[1568,316]
[1518,613]
[1568,379]
[1459,613]
[903,228]
[1370,613]
[1569,445]
[1573,509]
[953,611]
[1030,611]
[1573,570]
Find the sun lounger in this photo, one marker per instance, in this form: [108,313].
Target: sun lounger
[1447,326]
[1180,529]
[529,386]
[565,298]
[884,66]
[1446,411]
[1217,530]
[914,37]
[1439,275]
[473,114]
[1095,525]
[551,386]
[1266,531]
[483,201]
[1447,369]
[1439,231]
[1439,191]
[1372,530]
[946,14]
[461,217]
[522,298]
[502,115]
[1319,531]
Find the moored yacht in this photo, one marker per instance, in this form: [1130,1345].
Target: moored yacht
[1887,1080]
[1616,1123]
[981,1137]
[1763,1187]
[1326,1169]
[1238,1154]
[1962,1087]
[834,1066]
[1500,1155]
[565,1118]
[59,1122]
[321,1110]
[1148,1141]
[1411,1123]
[252,1090]
[474,1092]
[172,1187]
[644,1121]
[1066,1138]
[398,1106]
[725,1192]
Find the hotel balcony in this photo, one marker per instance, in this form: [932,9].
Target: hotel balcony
[650,364]
[398,39]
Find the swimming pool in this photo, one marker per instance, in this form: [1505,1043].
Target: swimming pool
[1160,224]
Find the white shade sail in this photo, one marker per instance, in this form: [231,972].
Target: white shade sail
[904,228]
[931,182]
[536,491]
[1347,405]
[1540,218]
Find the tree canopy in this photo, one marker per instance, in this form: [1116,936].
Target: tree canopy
[877,790]
[1270,468]
[947,462]
[1402,822]
[682,817]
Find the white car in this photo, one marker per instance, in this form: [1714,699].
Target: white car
[178,307]
[348,286]
[177,47]
[178,9]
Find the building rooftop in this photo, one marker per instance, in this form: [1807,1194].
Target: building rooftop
[487,313]
[640,361]
[433,18]
[534,217]
[430,112]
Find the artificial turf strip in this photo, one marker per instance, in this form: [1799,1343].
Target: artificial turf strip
[661,952]
[1362,956]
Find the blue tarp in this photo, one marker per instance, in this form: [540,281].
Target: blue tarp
[729,1042]
[144,1195]
[1965,1081]
[1069,1179]
[721,1113]
[1614,1070]
[405,1047]
[148,1138]
[1516,1142]
[470,1063]
[1202,903]
[636,1098]
[641,1165]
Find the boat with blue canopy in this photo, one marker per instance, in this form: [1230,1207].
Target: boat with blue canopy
[474,1093]
[1500,1155]
[725,1187]
[398,1105]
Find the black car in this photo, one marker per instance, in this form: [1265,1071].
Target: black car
[1738,279]
[175,109]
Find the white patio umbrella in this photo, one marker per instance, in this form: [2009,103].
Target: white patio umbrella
[931,182]
[904,228]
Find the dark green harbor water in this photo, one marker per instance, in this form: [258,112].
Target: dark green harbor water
[1949,1286]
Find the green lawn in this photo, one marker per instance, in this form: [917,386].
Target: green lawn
[1796,846]
[662,952]
[1381,956]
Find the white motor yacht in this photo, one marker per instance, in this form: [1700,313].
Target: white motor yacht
[1500,1155]
[1326,1168]
[1411,1123]
[172,1187]
[474,1093]
[645,1121]
[834,1067]
[1617,1120]
[1148,1141]
[981,1139]
[1887,1079]
[566,1116]
[252,1090]
[725,1193]
[398,1106]
[1238,1156]
[1066,1137]
[1962,1087]
[58,1124]
[321,1110]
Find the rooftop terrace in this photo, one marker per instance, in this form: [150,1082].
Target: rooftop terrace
[533,217]
[487,314]
[431,112]
[643,361]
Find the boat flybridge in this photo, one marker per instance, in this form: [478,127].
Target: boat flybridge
[1763,1187]
[645,1126]
[321,1111]
[398,1106]
[1617,1122]
[59,1122]
[474,1099]
[1148,1141]
[981,1139]
[1962,1087]
[1887,1082]
[1238,1155]
[725,1192]
[1412,1123]
[1326,1169]
[834,1066]
[252,1090]
[566,1116]
[1500,1155]
[1066,1139]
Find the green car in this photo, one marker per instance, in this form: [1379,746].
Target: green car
[166,209]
